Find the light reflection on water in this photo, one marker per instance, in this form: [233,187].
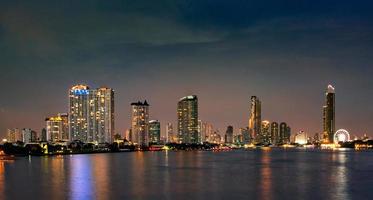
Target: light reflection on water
[274,174]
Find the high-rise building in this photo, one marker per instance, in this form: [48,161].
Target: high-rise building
[104,117]
[275,136]
[43,135]
[91,116]
[285,133]
[128,135]
[246,138]
[229,135]
[255,118]
[154,131]
[329,115]
[301,138]
[14,135]
[187,118]
[140,123]
[170,133]
[57,128]
[265,134]
[28,135]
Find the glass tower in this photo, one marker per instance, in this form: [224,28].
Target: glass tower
[187,118]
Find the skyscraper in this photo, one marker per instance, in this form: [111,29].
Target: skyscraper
[57,128]
[28,135]
[275,136]
[91,116]
[329,115]
[154,131]
[140,123]
[78,113]
[283,133]
[170,133]
[265,135]
[255,118]
[14,135]
[104,117]
[187,118]
[229,135]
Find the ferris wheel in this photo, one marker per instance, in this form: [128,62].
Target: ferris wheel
[341,135]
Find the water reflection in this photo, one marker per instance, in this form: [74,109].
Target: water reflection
[80,177]
[340,176]
[266,176]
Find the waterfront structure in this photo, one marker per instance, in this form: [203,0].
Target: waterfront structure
[170,133]
[140,123]
[285,133]
[329,115]
[229,135]
[28,136]
[265,136]
[14,135]
[128,135]
[246,138]
[187,119]
[91,114]
[255,118]
[154,132]
[275,136]
[43,135]
[341,135]
[57,128]
[301,138]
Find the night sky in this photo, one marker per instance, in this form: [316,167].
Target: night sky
[286,52]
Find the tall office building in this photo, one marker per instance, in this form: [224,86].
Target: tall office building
[140,123]
[329,115]
[255,118]
[154,131]
[275,136]
[170,133]
[229,135]
[265,135]
[91,114]
[246,138]
[187,118]
[57,128]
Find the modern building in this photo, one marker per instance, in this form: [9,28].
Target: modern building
[57,128]
[229,135]
[275,134]
[265,134]
[245,134]
[170,133]
[91,114]
[140,123]
[154,132]
[285,133]
[187,119]
[255,118]
[43,135]
[301,138]
[14,135]
[28,136]
[329,115]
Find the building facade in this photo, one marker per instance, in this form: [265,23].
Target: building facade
[57,128]
[154,132]
[29,136]
[140,123]
[187,118]
[91,114]
[229,135]
[329,115]
[14,135]
[275,134]
[255,118]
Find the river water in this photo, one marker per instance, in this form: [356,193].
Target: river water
[239,174]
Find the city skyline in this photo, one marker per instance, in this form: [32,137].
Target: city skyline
[224,53]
